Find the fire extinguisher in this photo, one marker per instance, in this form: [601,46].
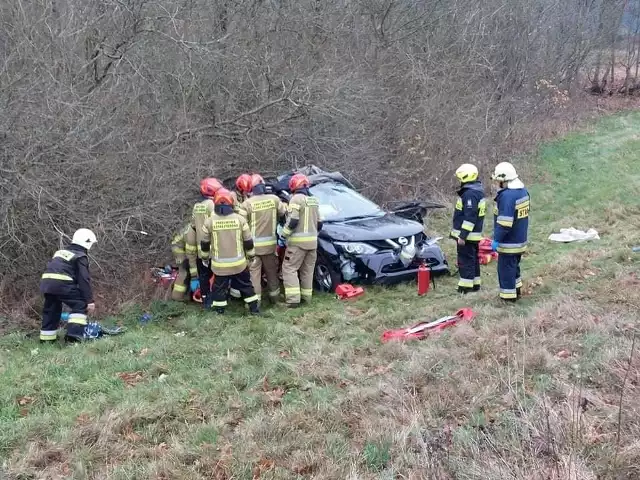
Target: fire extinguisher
[424,279]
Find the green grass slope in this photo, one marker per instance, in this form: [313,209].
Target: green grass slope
[545,389]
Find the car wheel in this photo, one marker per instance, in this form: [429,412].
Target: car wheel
[325,276]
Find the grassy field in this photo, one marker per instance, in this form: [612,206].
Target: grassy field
[545,389]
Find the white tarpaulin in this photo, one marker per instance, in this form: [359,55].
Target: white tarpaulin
[567,235]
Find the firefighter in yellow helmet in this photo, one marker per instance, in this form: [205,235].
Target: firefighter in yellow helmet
[262,212]
[227,235]
[185,252]
[201,211]
[468,222]
[301,234]
[66,280]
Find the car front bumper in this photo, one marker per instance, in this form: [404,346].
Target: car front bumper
[385,268]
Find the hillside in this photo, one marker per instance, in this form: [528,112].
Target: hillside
[543,389]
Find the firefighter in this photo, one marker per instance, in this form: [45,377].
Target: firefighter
[468,221]
[262,212]
[230,236]
[511,225]
[242,192]
[185,252]
[201,211]
[66,280]
[301,234]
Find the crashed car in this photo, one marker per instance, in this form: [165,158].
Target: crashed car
[360,242]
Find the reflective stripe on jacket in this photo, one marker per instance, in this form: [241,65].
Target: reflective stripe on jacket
[184,247]
[262,213]
[469,213]
[301,228]
[227,235]
[201,211]
[511,220]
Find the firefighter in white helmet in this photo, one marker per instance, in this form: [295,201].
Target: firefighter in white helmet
[66,280]
[511,226]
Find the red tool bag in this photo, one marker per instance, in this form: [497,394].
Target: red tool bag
[345,291]
[485,254]
[421,330]
[197,295]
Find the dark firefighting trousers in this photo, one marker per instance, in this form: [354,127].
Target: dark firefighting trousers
[221,286]
[54,297]
[509,275]
[469,267]
[204,276]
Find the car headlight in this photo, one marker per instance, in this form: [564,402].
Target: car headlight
[357,248]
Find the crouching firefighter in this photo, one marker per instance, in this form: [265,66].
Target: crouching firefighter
[511,225]
[201,211]
[301,234]
[66,280]
[185,252]
[228,235]
[468,221]
[262,212]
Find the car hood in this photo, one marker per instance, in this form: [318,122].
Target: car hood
[374,228]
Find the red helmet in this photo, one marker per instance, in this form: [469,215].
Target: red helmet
[243,183]
[209,187]
[298,181]
[256,180]
[223,197]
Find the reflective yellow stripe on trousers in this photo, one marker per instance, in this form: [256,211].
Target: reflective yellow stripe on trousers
[57,276]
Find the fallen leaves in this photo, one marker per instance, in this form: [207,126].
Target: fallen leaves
[264,465]
[380,370]
[23,401]
[532,285]
[274,395]
[563,354]
[129,435]
[143,352]
[131,379]
[284,354]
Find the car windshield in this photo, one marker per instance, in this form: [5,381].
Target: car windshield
[338,203]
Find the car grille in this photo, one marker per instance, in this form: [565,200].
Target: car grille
[384,245]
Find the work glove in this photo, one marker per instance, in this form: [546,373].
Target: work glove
[494,245]
[205,263]
[282,242]
[195,285]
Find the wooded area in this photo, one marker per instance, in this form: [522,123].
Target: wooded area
[113,110]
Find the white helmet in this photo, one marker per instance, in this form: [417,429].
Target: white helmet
[504,172]
[84,237]
[467,173]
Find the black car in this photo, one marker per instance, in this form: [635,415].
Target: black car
[360,242]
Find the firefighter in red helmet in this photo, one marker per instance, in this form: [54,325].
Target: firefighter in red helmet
[262,213]
[200,212]
[301,234]
[230,236]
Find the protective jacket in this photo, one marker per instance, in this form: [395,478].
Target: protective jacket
[228,237]
[511,220]
[468,217]
[201,211]
[262,213]
[238,200]
[184,247]
[68,267]
[303,222]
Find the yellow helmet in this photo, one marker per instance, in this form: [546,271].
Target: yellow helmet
[504,172]
[467,173]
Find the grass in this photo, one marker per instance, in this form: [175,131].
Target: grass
[527,391]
